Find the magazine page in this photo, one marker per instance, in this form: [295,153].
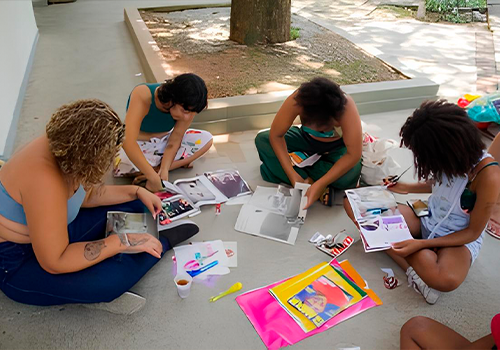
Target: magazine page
[381,231]
[273,213]
[229,183]
[292,287]
[371,201]
[267,224]
[199,191]
[302,159]
[122,222]
[175,208]
[320,300]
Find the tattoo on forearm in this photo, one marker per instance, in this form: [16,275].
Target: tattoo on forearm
[93,249]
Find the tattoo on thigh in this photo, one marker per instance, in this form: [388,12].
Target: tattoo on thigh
[93,250]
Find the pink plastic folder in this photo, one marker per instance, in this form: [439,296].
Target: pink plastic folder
[273,324]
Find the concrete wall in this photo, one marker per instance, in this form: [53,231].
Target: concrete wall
[18,36]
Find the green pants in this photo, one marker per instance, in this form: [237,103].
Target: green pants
[272,171]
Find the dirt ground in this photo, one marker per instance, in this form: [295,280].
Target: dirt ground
[198,41]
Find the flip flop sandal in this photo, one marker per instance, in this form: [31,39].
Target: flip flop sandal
[327,197]
[493,228]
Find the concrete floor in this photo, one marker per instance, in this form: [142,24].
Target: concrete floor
[75,59]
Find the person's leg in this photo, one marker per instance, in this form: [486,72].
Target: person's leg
[444,270]
[195,143]
[425,333]
[104,282]
[270,168]
[327,161]
[152,151]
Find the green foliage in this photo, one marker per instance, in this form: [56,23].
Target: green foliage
[447,6]
[294,33]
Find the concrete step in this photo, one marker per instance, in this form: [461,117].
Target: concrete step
[239,113]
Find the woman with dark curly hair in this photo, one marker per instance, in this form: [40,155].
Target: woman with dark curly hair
[158,138]
[331,128]
[452,163]
[53,208]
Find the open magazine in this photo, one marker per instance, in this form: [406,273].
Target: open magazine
[315,296]
[376,212]
[210,188]
[274,213]
[184,197]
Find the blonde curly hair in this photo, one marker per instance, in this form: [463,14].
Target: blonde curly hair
[84,137]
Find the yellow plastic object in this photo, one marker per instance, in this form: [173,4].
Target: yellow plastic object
[470,97]
[234,288]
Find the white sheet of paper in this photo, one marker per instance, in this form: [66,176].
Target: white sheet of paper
[186,256]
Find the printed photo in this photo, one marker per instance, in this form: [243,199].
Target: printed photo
[229,182]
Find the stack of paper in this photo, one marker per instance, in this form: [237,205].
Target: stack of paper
[376,212]
[334,292]
[317,295]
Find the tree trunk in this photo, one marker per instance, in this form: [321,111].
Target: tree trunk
[421,9]
[260,21]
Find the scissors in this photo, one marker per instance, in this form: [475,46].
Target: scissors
[393,179]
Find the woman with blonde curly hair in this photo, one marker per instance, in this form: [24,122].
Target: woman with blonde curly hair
[53,207]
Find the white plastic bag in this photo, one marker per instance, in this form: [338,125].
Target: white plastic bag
[377,163]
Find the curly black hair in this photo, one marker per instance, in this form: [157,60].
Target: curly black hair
[322,101]
[187,90]
[443,139]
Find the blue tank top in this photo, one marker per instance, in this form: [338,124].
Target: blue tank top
[155,120]
[14,211]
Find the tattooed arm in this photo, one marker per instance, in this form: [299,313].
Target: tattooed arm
[45,205]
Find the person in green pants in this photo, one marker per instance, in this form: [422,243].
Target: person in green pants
[331,128]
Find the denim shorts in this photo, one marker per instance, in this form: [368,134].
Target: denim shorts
[474,246]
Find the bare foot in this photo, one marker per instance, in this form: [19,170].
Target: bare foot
[188,166]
